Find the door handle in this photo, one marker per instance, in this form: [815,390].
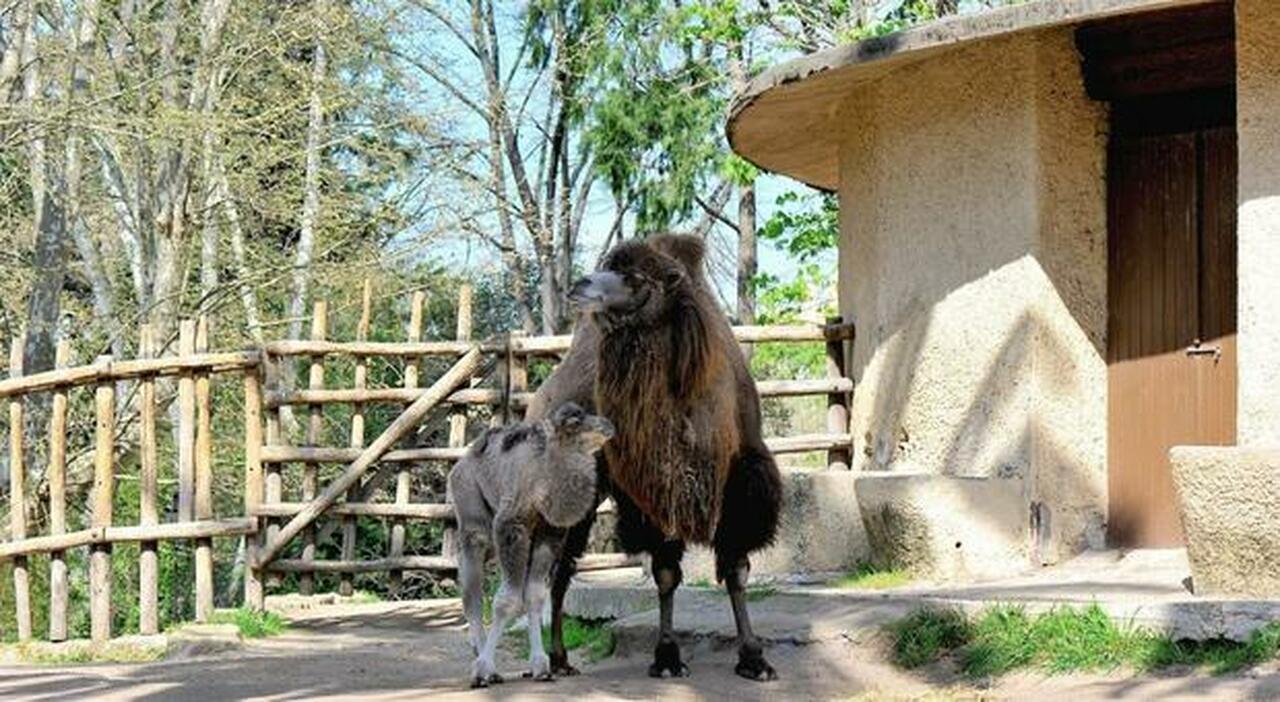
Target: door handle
[1197,349]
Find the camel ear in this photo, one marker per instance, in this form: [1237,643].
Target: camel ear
[672,278]
[688,250]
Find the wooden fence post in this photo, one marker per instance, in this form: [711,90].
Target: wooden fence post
[346,584]
[204,479]
[458,418]
[103,490]
[17,497]
[274,486]
[837,402]
[149,511]
[186,425]
[517,376]
[58,499]
[254,592]
[315,427]
[404,476]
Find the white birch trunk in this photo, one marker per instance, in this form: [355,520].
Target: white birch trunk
[311,194]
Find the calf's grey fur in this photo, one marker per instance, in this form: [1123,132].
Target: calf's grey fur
[518,490]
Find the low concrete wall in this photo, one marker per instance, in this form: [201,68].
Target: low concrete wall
[820,532]
[1229,498]
[946,528]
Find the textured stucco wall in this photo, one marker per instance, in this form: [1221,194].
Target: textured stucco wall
[1229,499]
[1258,76]
[973,259]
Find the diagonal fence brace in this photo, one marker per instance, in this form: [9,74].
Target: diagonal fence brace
[412,415]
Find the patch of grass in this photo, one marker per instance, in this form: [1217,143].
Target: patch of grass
[593,636]
[926,634]
[252,623]
[81,652]
[868,577]
[1063,640]
[754,592]
[1218,656]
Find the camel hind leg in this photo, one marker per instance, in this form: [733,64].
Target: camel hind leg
[748,521]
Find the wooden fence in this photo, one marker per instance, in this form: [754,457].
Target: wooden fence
[491,374]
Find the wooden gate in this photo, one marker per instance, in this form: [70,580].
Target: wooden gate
[1171,300]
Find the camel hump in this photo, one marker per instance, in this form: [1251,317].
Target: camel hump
[689,250]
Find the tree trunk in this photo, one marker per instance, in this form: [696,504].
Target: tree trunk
[44,299]
[311,194]
[10,60]
[248,295]
[746,253]
[746,212]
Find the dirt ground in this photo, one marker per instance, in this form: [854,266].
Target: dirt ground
[416,650]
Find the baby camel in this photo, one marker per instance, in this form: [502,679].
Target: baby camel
[519,489]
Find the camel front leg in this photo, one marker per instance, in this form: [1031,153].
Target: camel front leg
[575,543]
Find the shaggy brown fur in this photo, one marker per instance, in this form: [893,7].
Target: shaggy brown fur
[665,377]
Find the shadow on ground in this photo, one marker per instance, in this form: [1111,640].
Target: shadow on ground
[417,650]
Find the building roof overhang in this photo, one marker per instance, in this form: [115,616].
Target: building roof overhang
[784,119]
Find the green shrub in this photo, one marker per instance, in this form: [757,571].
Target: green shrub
[252,623]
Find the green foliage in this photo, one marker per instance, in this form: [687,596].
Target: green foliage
[252,623]
[653,120]
[1063,640]
[592,636]
[868,577]
[806,226]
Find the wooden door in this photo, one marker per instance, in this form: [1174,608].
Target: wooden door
[1171,312]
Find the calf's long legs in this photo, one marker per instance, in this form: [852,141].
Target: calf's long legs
[513,543]
[535,597]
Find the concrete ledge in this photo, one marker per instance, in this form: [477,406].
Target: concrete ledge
[946,527]
[192,640]
[820,531]
[798,616]
[1229,498]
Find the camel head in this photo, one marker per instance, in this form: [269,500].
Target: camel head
[572,425]
[639,280]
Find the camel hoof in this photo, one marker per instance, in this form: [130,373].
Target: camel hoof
[753,666]
[483,674]
[486,680]
[560,666]
[667,663]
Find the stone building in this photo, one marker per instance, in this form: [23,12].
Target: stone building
[1060,241]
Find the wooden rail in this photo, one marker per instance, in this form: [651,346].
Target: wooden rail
[314,510]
